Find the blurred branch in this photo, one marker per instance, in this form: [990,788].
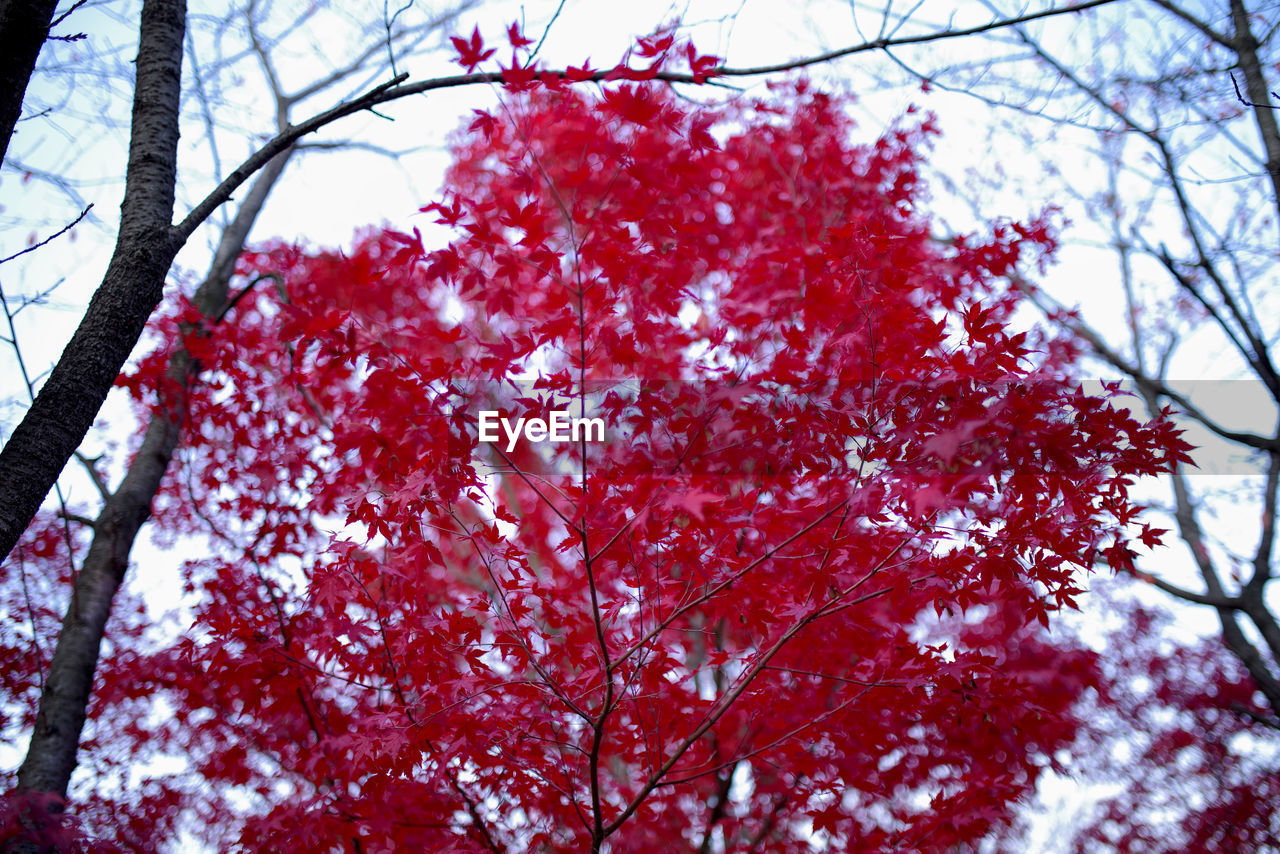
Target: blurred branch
[1206,30]
[91,467]
[546,32]
[388,21]
[1058,313]
[1226,602]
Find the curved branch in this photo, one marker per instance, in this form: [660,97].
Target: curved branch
[924,38]
[1207,31]
[1230,603]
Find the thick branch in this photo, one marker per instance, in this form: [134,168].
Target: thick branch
[52,750]
[1187,595]
[1266,542]
[1145,383]
[1244,650]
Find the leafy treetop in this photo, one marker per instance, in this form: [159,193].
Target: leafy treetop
[797,593]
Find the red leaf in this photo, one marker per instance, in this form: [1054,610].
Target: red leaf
[516,37]
[471,53]
[518,79]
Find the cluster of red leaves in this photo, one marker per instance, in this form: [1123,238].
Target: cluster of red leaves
[1175,730]
[34,595]
[795,595]
[661,53]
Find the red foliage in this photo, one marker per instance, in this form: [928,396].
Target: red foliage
[794,596]
[1177,730]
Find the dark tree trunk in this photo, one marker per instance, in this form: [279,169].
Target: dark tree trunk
[24,25]
[51,755]
[67,404]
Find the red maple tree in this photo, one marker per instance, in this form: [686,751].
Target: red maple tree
[796,594]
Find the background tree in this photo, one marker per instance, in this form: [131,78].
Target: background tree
[99,569]
[65,693]
[1200,775]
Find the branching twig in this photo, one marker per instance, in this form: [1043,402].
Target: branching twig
[50,238]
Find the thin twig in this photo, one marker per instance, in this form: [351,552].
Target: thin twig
[51,237]
[547,31]
[1240,97]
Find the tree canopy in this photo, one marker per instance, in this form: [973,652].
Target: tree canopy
[798,592]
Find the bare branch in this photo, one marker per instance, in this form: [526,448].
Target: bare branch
[1266,542]
[1144,382]
[1231,603]
[91,468]
[546,32]
[1274,723]
[32,248]
[1255,84]
[398,88]
[1241,98]
[1191,533]
[67,14]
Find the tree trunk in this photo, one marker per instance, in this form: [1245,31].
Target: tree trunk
[51,754]
[24,26]
[67,404]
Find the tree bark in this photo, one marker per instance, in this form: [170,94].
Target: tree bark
[67,404]
[24,26]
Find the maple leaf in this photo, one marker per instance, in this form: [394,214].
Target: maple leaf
[700,66]
[693,501]
[329,592]
[580,73]
[471,52]
[633,104]
[927,499]
[655,45]
[483,122]
[699,136]
[516,37]
[1151,537]
[519,78]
